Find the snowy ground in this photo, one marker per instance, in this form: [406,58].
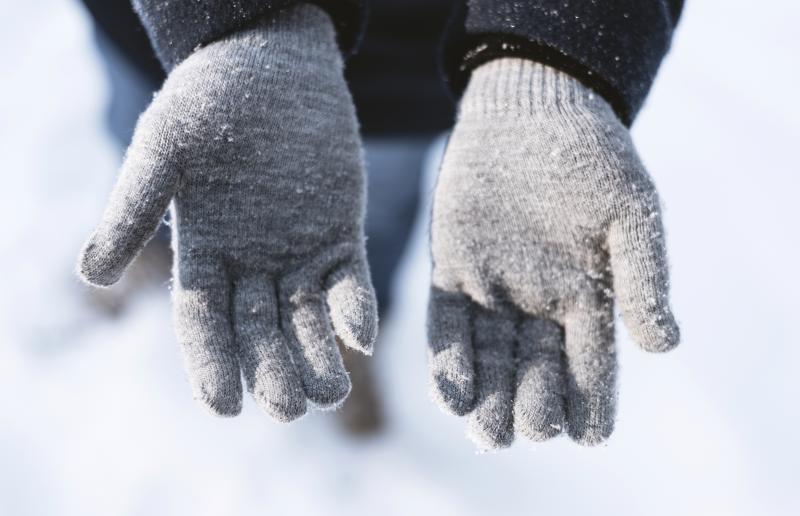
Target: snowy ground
[96,416]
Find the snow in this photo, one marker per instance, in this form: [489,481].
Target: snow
[96,413]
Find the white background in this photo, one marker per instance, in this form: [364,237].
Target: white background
[96,415]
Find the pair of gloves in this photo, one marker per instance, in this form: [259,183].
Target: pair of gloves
[543,214]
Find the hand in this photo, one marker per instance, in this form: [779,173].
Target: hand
[542,214]
[255,139]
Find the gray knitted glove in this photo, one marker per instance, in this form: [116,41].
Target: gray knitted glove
[542,214]
[255,138]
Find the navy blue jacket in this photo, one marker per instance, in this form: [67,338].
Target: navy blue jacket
[613,46]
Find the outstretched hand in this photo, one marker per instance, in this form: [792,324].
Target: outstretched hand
[254,139]
[543,215]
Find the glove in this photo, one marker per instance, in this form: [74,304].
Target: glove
[542,214]
[254,138]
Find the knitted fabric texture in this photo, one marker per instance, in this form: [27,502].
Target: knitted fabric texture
[543,215]
[254,139]
[614,46]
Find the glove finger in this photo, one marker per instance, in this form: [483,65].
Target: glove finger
[352,306]
[147,182]
[491,423]
[450,353]
[263,351]
[313,345]
[641,278]
[202,320]
[591,372]
[539,412]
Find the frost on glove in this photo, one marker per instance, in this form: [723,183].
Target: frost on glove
[254,140]
[543,215]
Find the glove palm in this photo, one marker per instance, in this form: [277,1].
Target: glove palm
[255,139]
[542,214]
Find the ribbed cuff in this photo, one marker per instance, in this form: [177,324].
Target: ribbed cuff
[613,46]
[516,86]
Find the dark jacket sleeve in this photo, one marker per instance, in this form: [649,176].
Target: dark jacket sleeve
[613,46]
[177,27]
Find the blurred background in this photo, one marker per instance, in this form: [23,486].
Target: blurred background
[96,415]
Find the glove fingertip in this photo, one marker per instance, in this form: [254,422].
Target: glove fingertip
[487,439]
[284,409]
[220,395]
[453,393]
[353,309]
[590,436]
[329,393]
[94,266]
[356,331]
[659,335]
